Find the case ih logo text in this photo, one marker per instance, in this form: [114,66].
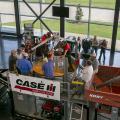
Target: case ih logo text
[35,87]
[96,96]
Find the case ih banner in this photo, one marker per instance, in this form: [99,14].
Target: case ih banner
[35,86]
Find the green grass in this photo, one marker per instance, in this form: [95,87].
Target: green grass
[81,28]
[95,3]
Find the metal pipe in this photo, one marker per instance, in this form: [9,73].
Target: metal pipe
[46,26]
[113,80]
[89,18]
[17,18]
[37,16]
[62,21]
[44,11]
[41,28]
[0,24]
[30,8]
[114,33]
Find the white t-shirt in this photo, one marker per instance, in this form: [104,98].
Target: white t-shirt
[87,73]
[19,56]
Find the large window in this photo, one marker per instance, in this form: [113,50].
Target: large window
[118,36]
[117,58]
[76,2]
[95,3]
[8,23]
[27,16]
[7,15]
[43,1]
[104,3]
[83,21]
[5,48]
[102,20]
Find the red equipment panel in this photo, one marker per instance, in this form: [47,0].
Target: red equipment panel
[107,94]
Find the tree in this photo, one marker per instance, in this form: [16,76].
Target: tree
[79,13]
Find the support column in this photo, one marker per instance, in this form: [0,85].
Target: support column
[62,21]
[91,111]
[62,34]
[41,28]
[89,18]
[114,115]
[0,24]
[2,52]
[17,18]
[66,108]
[114,33]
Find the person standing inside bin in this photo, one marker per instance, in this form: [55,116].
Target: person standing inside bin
[87,72]
[24,65]
[48,67]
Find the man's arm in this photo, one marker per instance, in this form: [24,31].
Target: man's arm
[65,53]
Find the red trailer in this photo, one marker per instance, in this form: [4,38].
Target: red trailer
[105,87]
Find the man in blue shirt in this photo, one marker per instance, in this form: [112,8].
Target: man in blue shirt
[48,67]
[24,65]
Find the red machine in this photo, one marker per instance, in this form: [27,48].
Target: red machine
[105,87]
[47,108]
[53,110]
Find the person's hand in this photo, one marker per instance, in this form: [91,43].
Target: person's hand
[63,56]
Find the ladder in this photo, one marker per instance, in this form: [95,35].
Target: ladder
[78,110]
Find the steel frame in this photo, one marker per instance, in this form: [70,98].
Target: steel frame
[114,32]
[62,21]
[39,17]
[17,17]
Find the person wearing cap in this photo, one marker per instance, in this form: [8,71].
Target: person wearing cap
[12,60]
[86,44]
[19,53]
[95,62]
[24,65]
[48,67]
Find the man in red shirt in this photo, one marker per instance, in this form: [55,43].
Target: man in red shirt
[66,48]
[67,53]
[43,38]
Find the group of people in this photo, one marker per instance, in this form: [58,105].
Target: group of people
[90,46]
[102,45]
[90,65]
[89,55]
[19,60]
